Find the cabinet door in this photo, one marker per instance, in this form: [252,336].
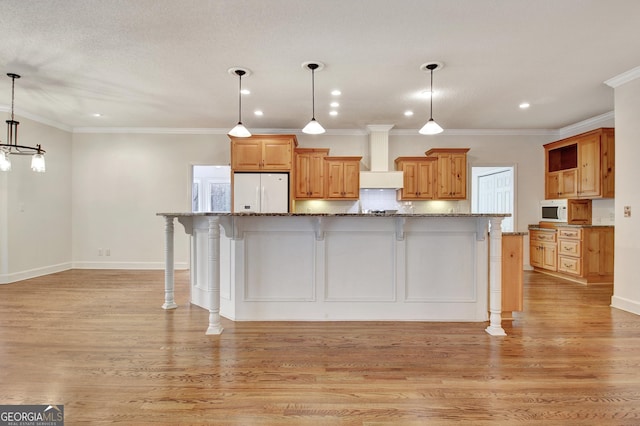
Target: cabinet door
[343,178]
[425,180]
[276,154]
[246,154]
[452,176]
[589,158]
[418,179]
[309,177]
[410,180]
[535,254]
[549,257]
[335,179]
[351,187]
[562,184]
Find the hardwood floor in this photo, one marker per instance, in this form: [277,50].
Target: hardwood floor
[99,343]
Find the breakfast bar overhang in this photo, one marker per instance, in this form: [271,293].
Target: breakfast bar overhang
[341,267]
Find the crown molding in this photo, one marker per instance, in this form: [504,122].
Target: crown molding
[576,128]
[37,118]
[586,125]
[480,132]
[623,78]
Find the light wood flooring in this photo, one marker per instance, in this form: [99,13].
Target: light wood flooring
[99,343]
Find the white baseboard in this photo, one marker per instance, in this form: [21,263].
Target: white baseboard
[127,265]
[628,305]
[33,273]
[52,269]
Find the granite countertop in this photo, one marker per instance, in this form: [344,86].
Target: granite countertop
[537,227]
[515,233]
[187,214]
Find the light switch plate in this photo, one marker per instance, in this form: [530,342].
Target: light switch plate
[627,211]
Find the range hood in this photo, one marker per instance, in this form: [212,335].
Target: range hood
[379,175]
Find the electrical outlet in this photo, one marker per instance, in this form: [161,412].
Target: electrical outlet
[627,211]
[99,252]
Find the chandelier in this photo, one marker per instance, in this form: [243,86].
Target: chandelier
[12,147]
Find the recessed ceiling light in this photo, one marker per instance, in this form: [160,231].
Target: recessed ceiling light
[245,91]
[425,94]
[336,92]
[96,114]
[333,112]
[258,112]
[334,104]
[408,113]
[524,105]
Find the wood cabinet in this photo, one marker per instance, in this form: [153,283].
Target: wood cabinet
[581,166]
[343,177]
[263,153]
[543,249]
[512,274]
[451,172]
[309,179]
[579,212]
[586,253]
[419,177]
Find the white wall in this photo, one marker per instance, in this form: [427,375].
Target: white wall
[35,209]
[626,291]
[120,182]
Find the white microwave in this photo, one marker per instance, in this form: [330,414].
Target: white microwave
[553,211]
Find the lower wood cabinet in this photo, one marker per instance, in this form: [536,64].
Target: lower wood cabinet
[586,253]
[579,253]
[512,274]
[543,249]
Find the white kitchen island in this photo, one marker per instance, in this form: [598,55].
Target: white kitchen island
[341,267]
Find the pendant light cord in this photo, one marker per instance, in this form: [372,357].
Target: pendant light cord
[313,94]
[431,98]
[13,86]
[240,96]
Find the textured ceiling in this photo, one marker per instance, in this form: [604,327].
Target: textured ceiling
[163,63]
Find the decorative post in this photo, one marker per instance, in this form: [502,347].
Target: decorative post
[169,302]
[215,327]
[495,278]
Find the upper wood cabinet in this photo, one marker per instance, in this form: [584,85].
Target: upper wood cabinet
[581,166]
[263,152]
[419,177]
[309,173]
[451,173]
[343,177]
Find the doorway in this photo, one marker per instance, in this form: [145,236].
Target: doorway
[493,191]
[211,189]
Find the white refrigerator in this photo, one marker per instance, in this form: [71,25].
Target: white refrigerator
[260,192]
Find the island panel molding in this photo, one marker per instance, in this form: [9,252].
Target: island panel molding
[281,270]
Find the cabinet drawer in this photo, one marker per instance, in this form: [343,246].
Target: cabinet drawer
[570,265]
[575,234]
[569,248]
[543,236]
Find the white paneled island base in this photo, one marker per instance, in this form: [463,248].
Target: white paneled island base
[341,267]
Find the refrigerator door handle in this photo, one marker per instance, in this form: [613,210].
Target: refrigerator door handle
[263,200]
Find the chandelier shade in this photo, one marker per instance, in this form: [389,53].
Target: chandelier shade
[11,147]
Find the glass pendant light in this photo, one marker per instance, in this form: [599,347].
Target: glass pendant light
[431,127]
[239,130]
[5,163]
[37,163]
[313,127]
